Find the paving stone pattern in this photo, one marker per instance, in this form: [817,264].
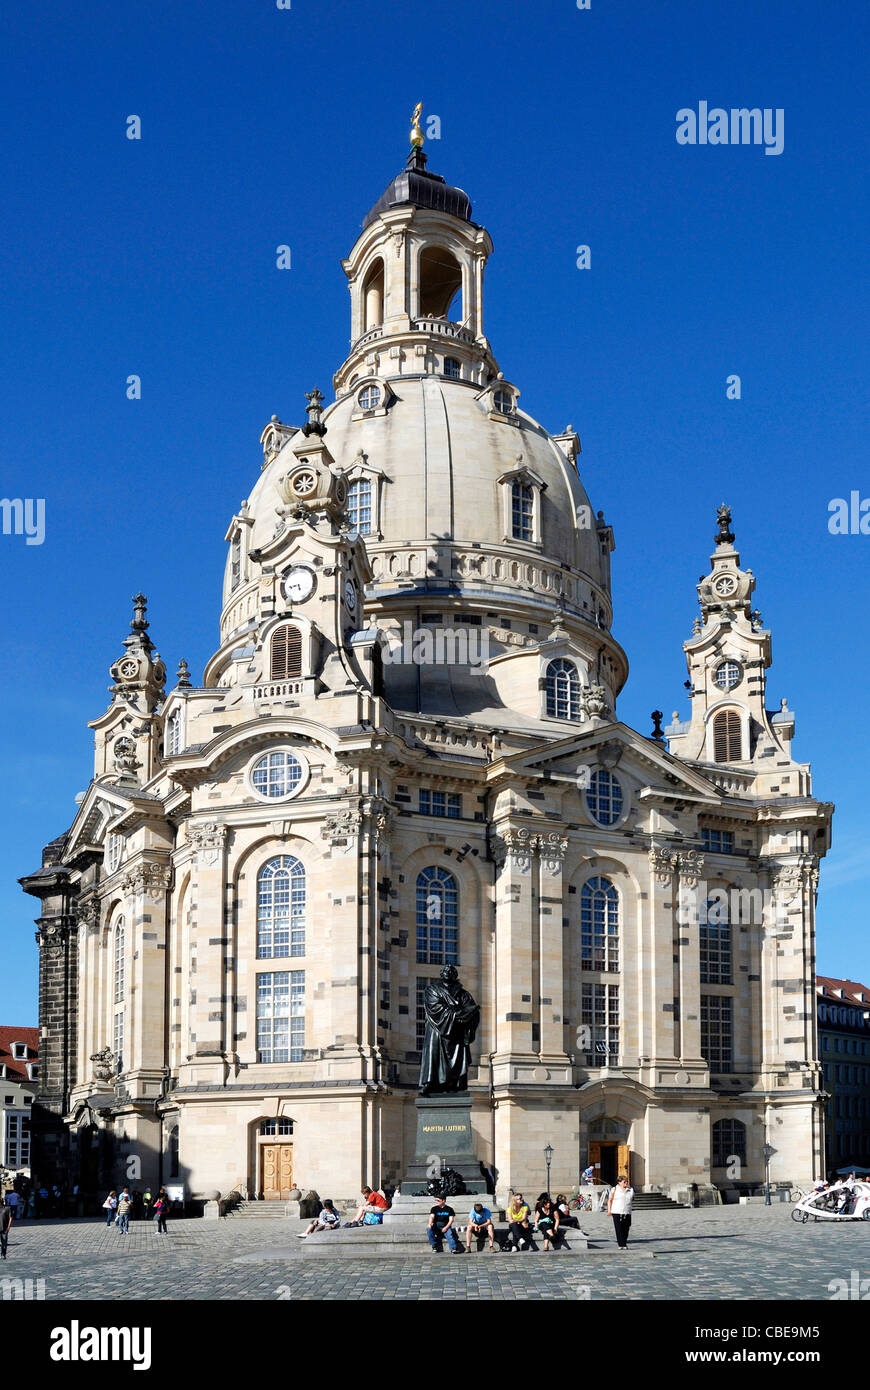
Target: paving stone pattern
[735,1253]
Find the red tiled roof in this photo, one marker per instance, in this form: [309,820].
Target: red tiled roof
[852,990]
[16,1068]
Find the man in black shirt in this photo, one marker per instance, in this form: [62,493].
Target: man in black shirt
[441,1219]
[5,1223]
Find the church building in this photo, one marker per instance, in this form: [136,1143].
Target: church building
[405,752]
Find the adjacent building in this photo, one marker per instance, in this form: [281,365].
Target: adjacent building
[405,751]
[19,1078]
[844,1047]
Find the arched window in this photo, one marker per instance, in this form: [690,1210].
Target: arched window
[281,908]
[522,512]
[726,737]
[503,401]
[440,283]
[729,1143]
[715,943]
[119,966]
[369,398]
[373,296]
[599,925]
[359,505]
[236,561]
[119,961]
[437,917]
[452,368]
[563,690]
[604,797]
[173,734]
[285,653]
[279,1126]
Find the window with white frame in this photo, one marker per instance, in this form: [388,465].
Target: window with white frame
[113,852]
[437,917]
[452,368]
[503,401]
[522,512]
[599,925]
[281,1127]
[277,775]
[434,803]
[119,974]
[236,561]
[281,1016]
[120,963]
[599,1011]
[604,797]
[281,908]
[173,734]
[17,1153]
[562,688]
[359,505]
[369,398]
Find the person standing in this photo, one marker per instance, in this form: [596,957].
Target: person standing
[6,1218]
[441,1219]
[12,1201]
[110,1207]
[619,1207]
[146,1203]
[161,1211]
[125,1203]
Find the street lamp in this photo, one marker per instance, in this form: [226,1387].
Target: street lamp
[548,1156]
[768,1152]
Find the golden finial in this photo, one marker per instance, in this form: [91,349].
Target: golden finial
[416,132]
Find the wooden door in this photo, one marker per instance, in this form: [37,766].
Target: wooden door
[277,1160]
[623,1161]
[595,1160]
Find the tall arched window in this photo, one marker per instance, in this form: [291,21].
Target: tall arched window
[173,1152]
[563,690]
[359,505]
[281,908]
[285,656]
[119,971]
[599,925]
[437,917]
[236,561]
[373,296]
[729,1142]
[522,512]
[726,737]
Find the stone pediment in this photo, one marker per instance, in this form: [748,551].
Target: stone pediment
[103,803]
[610,745]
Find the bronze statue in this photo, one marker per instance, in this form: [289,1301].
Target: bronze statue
[452,1019]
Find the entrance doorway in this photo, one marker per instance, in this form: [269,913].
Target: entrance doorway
[275,1159]
[610,1161]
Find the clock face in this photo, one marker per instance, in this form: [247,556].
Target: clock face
[725,586]
[350,594]
[298,584]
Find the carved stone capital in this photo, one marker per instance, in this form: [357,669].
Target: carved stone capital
[341,825]
[207,841]
[514,846]
[662,863]
[146,880]
[691,865]
[552,849]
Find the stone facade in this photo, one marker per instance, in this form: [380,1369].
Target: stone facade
[266,865]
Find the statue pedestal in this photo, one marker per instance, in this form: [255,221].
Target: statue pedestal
[445,1136]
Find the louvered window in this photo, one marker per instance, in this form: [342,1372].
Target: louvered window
[726,737]
[286,653]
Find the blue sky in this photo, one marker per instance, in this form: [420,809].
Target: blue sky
[262,127]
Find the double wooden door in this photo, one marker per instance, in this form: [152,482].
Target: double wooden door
[277,1168]
[610,1161]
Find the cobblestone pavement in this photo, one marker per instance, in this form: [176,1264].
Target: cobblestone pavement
[733,1253]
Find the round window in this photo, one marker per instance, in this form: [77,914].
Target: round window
[604,797]
[277,775]
[369,397]
[727,675]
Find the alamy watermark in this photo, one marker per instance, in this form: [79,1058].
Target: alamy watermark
[741,125]
[24,516]
[463,645]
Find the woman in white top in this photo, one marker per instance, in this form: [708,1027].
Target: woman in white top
[619,1207]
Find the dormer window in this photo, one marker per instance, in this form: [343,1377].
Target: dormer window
[369,398]
[19,1051]
[562,685]
[522,512]
[359,505]
[32,1071]
[503,401]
